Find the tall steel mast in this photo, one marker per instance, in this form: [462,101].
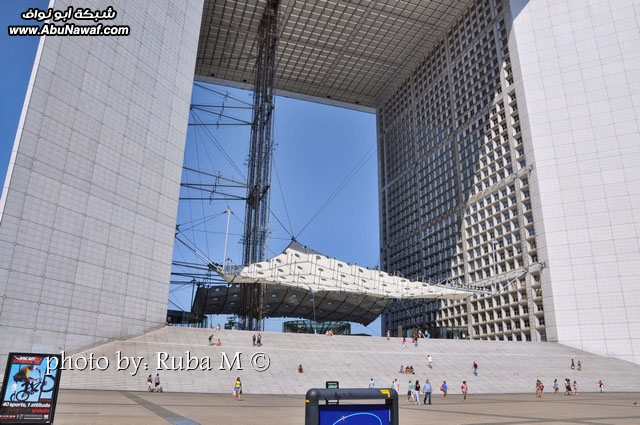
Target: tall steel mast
[256,223]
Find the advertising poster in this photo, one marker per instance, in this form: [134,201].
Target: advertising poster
[30,388]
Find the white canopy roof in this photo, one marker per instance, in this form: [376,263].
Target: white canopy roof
[304,268]
[301,282]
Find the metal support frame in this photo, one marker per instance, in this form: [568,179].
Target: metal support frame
[259,164]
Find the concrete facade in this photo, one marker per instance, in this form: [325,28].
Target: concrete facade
[579,84]
[89,203]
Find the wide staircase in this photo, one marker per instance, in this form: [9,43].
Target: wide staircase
[503,367]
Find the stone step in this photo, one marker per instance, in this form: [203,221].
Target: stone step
[504,366]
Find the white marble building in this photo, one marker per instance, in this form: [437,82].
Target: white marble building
[89,203]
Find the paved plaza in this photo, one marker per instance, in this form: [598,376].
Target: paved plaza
[115,407]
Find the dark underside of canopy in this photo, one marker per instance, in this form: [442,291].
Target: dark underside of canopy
[287,301]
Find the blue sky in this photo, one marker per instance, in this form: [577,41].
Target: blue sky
[17,60]
[317,147]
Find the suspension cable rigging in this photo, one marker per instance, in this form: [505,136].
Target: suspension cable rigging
[220,148]
[286,210]
[359,165]
[224,95]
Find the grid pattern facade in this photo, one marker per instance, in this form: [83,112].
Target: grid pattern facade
[89,205]
[349,51]
[454,179]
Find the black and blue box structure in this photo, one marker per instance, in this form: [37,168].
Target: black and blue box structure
[351,412]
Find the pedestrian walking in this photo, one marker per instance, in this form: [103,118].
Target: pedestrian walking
[388,335]
[259,340]
[156,381]
[150,383]
[475,368]
[430,360]
[444,388]
[575,388]
[601,385]
[415,341]
[416,392]
[404,342]
[237,388]
[396,385]
[427,391]
[555,387]
[410,392]
[465,389]
[253,338]
[372,384]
